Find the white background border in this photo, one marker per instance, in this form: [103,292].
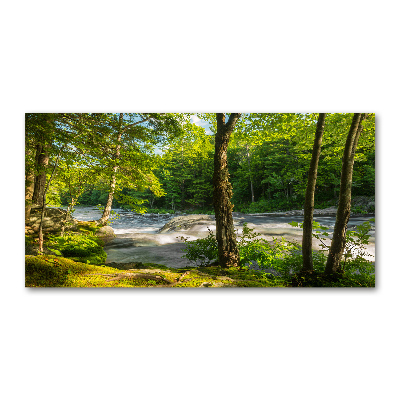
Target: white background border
[204,56]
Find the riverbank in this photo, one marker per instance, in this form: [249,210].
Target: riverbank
[157,239]
[52,271]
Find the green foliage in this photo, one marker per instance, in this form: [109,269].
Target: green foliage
[160,211]
[358,210]
[355,250]
[273,152]
[282,260]
[201,251]
[357,269]
[269,152]
[185,171]
[131,202]
[252,249]
[270,205]
[113,214]
[84,247]
[356,240]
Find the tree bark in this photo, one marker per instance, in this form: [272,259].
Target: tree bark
[41,164]
[29,188]
[343,213]
[107,209]
[309,198]
[228,252]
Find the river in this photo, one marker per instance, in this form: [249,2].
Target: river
[138,238]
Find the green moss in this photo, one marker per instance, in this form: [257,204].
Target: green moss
[54,271]
[81,248]
[87,227]
[44,271]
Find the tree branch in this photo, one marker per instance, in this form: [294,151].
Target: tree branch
[137,123]
[232,120]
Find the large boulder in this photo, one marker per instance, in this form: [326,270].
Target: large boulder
[364,203]
[105,231]
[106,234]
[185,222]
[52,221]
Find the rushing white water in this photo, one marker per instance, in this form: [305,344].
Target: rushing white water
[137,237]
[128,221]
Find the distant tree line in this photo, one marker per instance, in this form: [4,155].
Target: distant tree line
[268,166]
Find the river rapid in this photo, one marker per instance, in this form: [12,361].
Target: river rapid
[138,237]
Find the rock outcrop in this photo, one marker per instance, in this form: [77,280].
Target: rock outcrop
[185,222]
[364,203]
[52,221]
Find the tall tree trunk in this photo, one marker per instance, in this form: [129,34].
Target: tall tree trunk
[309,198]
[41,164]
[107,209]
[251,178]
[64,222]
[343,213]
[29,186]
[228,252]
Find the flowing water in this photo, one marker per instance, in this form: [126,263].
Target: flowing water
[137,237]
[128,221]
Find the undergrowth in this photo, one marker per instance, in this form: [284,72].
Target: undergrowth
[283,260]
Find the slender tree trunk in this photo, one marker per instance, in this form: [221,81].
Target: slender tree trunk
[107,209]
[43,201]
[29,188]
[41,164]
[228,252]
[64,223]
[309,198]
[343,213]
[251,178]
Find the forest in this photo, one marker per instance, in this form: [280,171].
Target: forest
[170,163]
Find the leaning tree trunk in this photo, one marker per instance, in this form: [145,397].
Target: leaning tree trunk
[107,209]
[228,252]
[309,200]
[343,212]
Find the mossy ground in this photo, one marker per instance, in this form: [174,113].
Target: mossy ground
[53,271]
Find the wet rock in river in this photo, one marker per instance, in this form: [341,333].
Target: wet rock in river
[185,222]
